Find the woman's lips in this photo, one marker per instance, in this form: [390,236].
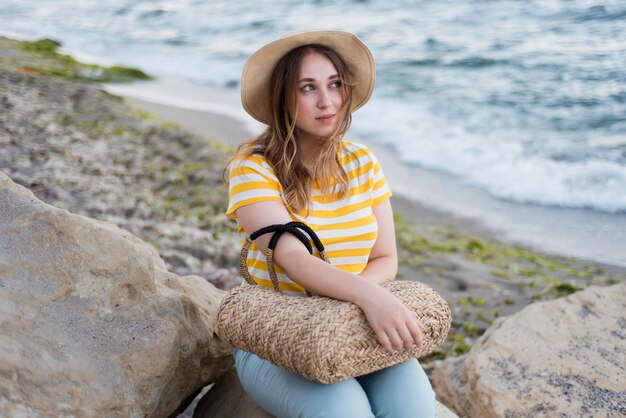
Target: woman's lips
[326,118]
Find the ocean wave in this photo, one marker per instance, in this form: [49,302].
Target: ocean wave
[476,62]
[468,62]
[424,62]
[598,12]
[524,100]
[503,166]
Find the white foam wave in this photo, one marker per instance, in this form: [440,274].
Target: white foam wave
[497,163]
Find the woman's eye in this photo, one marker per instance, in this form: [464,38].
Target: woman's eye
[311,87]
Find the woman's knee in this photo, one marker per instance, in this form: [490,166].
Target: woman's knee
[402,390]
[284,394]
[337,400]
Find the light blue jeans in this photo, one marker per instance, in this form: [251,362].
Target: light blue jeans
[398,391]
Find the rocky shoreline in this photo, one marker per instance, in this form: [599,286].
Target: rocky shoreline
[78,148]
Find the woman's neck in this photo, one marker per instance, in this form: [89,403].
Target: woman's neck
[306,149]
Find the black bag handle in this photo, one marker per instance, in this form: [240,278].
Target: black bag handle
[293,228]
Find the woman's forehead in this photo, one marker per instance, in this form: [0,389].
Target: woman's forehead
[317,66]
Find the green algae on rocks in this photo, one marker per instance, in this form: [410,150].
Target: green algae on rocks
[41,57]
[483,278]
[99,159]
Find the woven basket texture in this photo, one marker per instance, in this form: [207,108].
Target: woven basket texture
[324,339]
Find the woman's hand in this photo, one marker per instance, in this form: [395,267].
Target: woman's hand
[395,325]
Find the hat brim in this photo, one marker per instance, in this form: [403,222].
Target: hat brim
[258,69]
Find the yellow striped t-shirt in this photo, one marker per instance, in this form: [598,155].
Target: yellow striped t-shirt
[347,227]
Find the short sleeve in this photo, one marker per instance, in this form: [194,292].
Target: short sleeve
[251,180]
[380,188]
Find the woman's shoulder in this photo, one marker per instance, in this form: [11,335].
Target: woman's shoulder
[352,151]
[251,160]
[353,146]
[250,155]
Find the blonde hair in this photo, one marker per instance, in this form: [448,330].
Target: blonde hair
[279,142]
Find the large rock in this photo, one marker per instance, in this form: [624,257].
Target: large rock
[228,399]
[92,323]
[78,148]
[564,358]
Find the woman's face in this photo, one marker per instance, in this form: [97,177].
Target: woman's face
[319,97]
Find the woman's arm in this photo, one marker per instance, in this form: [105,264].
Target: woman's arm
[293,258]
[395,325]
[382,264]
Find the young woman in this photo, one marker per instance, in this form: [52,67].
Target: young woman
[304,87]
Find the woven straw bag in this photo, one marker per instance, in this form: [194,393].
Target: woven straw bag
[319,338]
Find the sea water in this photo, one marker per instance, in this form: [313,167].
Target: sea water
[524,101]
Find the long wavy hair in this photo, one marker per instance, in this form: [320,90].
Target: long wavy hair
[279,142]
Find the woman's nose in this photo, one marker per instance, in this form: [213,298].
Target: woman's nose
[324,98]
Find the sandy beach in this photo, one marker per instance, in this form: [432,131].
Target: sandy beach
[230,131]
[595,236]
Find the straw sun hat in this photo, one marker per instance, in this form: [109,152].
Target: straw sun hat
[258,69]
